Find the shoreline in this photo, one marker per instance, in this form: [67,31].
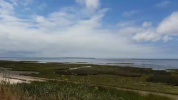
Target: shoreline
[117,64]
[14,77]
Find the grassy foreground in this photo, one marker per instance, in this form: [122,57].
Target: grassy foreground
[86,75]
[67,91]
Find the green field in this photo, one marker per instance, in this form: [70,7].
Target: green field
[93,82]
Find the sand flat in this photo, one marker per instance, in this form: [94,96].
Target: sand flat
[14,77]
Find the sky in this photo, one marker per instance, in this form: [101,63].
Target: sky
[89,28]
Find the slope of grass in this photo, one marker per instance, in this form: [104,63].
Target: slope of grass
[53,90]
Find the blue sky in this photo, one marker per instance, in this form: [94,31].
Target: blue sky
[89,28]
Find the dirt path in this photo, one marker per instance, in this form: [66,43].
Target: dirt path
[149,92]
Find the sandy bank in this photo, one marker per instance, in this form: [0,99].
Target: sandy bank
[14,77]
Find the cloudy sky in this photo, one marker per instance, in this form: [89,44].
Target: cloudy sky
[89,28]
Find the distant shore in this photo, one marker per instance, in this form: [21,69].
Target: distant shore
[155,64]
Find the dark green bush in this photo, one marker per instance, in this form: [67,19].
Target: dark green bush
[168,79]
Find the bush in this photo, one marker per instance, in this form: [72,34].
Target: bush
[168,79]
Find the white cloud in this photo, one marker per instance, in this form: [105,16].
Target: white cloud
[164,31]
[147,25]
[90,4]
[147,33]
[5,7]
[70,32]
[21,2]
[147,36]
[40,19]
[163,4]
[169,25]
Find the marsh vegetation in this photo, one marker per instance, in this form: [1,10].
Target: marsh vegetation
[90,82]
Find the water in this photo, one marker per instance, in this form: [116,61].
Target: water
[157,64]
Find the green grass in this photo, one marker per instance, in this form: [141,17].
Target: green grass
[125,77]
[53,90]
